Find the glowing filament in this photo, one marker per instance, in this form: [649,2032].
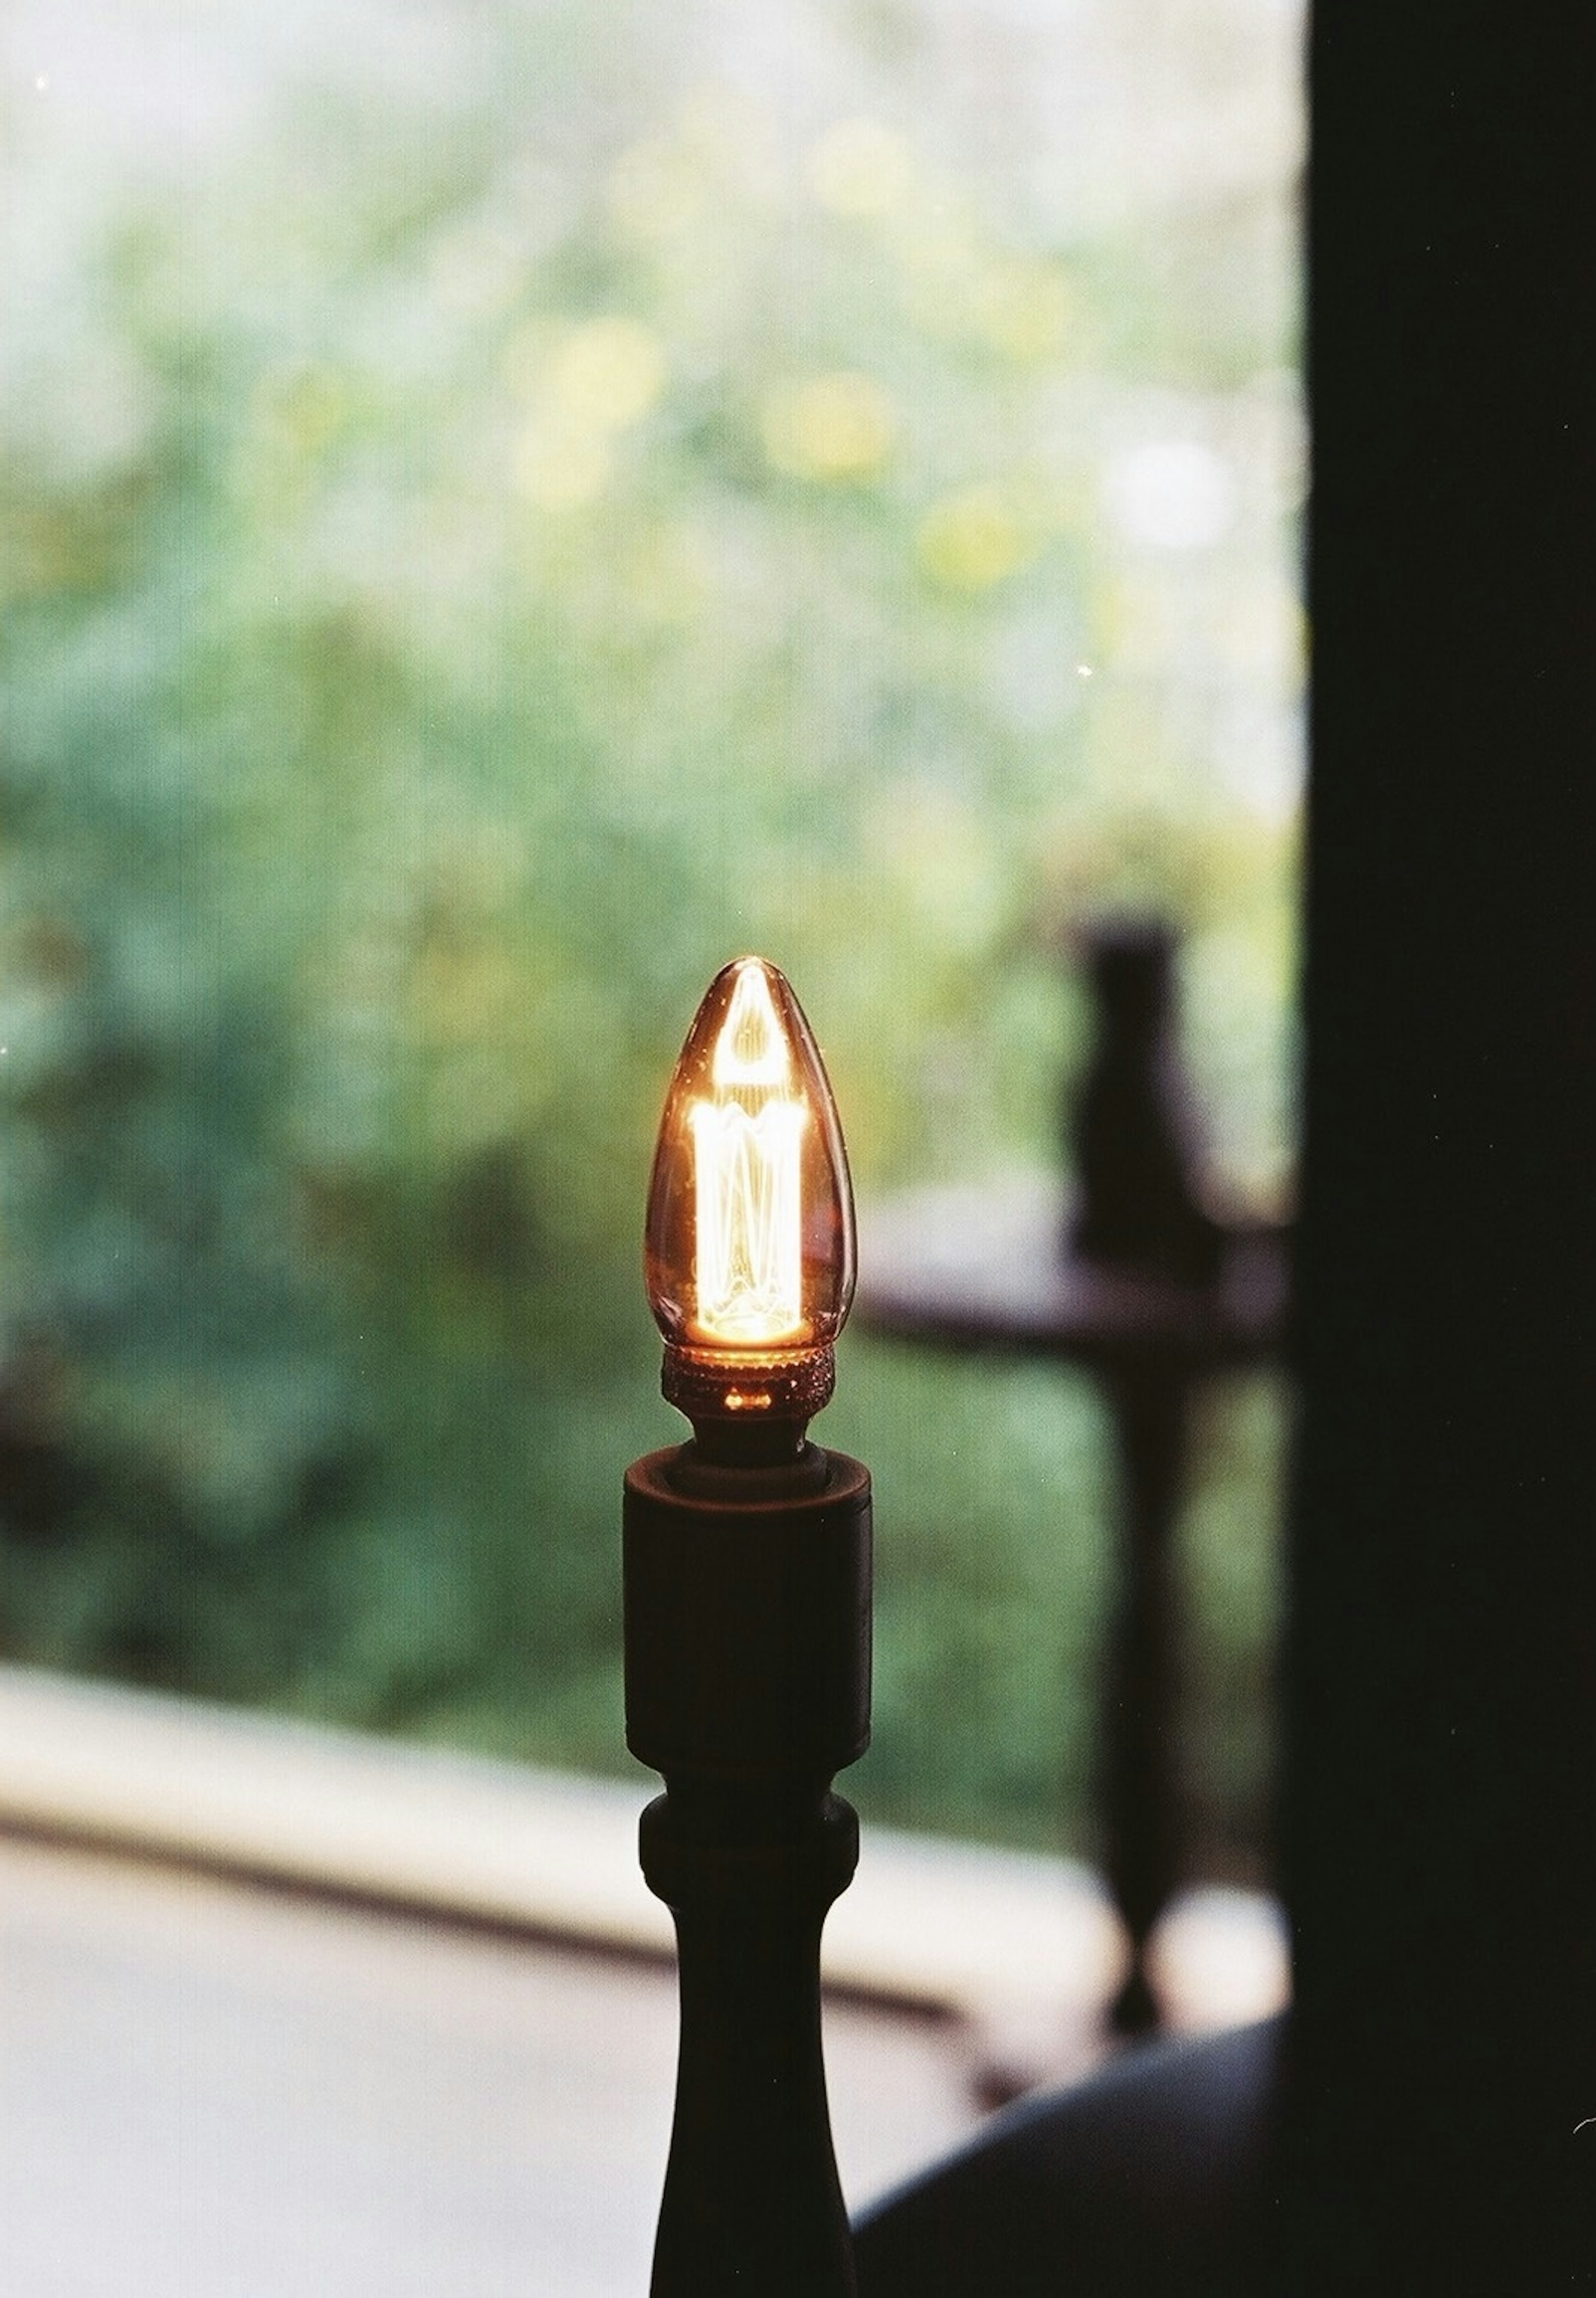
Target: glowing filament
[749,1221]
[746,1167]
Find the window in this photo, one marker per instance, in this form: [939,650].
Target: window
[509,508]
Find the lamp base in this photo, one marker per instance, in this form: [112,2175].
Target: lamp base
[748,1686]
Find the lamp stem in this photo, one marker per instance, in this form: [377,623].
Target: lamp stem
[752,2200]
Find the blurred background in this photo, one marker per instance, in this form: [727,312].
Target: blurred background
[506,508]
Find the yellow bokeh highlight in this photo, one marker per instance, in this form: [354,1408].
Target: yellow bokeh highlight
[598,378]
[974,538]
[717,154]
[608,372]
[944,266]
[829,427]
[955,284]
[861,167]
[1024,308]
[658,188]
[561,467]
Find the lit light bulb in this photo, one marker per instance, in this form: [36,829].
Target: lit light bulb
[750,1241]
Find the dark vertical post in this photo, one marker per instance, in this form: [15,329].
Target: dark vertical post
[1440,1834]
[1138,1790]
[1132,1133]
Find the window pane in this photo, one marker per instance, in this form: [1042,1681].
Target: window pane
[509,507]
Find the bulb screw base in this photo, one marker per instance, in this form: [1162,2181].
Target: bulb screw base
[744,1390]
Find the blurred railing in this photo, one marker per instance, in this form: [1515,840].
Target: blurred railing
[1148,1290]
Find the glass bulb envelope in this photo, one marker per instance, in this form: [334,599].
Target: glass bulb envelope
[749,1237]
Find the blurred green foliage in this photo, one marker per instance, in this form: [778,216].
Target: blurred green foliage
[505,508]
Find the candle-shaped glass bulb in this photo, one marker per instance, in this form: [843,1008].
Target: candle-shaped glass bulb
[750,1241]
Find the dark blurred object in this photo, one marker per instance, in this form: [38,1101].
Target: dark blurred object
[1151,1293]
[1132,1122]
[1037,2202]
[40,1480]
[1439,1837]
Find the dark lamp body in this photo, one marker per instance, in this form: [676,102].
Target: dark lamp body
[748,1686]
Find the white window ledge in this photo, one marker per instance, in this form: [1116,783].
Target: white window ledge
[1004,1940]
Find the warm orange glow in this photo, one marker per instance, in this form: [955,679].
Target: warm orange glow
[751,1241]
